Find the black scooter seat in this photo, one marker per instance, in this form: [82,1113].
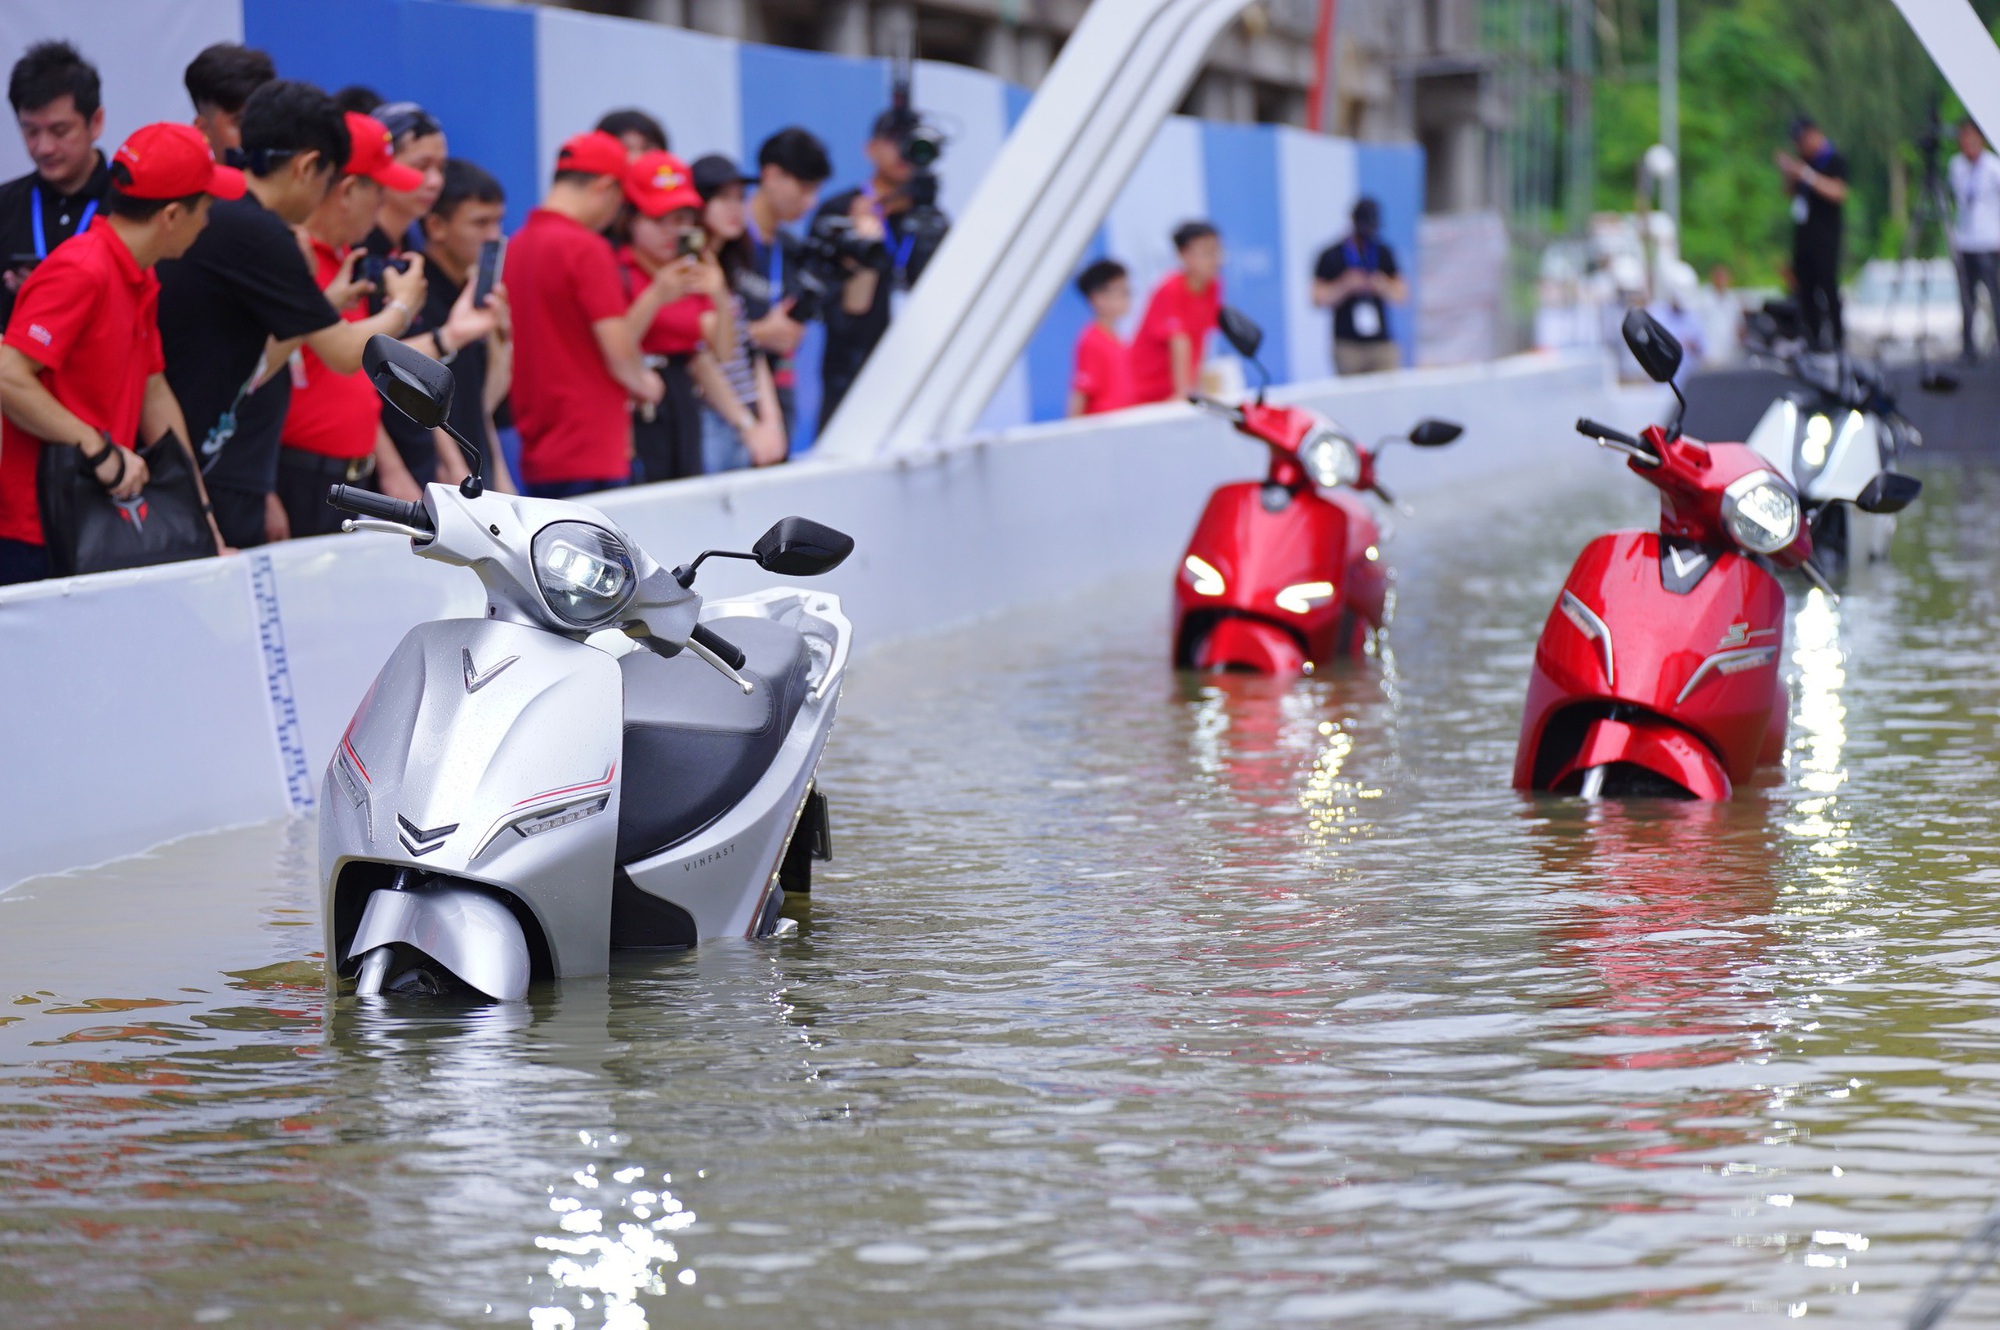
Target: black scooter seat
[695,743]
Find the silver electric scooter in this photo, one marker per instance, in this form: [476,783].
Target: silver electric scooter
[601,761]
[1836,435]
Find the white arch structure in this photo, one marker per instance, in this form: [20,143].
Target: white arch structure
[1118,78]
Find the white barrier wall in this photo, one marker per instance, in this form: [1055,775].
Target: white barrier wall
[151,704]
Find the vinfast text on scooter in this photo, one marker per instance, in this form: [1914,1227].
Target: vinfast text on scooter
[1834,435]
[1657,671]
[601,761]
[1286,573]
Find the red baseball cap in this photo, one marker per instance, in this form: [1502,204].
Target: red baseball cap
[595,153]
[171,162]
[373,154]
[659,182]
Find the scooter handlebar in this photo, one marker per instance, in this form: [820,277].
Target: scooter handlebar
[1233,414]
[727,651]
[1591,429]
[367,503]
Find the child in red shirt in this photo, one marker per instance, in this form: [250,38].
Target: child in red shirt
[1103,378]
[1167,353]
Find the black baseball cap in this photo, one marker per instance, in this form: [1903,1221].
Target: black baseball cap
[715,173]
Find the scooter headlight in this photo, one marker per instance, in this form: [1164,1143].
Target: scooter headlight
[1761,512]
[585,573]
[1815,439]
[1330,458]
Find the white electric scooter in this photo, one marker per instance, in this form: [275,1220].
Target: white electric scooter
[601,761]
[1835,435]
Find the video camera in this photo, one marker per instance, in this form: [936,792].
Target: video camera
[921,144]
[826,256]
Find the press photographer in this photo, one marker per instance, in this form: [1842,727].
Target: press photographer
[876,241]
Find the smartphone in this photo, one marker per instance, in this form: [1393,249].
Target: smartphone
[691,243]
[491,253]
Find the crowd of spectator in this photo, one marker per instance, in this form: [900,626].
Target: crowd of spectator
[644,325]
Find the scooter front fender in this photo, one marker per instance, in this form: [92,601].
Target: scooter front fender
[1249,645]
[1661,747]
[463,929]
[485,752]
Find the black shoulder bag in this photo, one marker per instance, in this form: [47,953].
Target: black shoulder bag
[88,531]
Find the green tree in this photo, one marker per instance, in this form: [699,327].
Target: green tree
[1747,67]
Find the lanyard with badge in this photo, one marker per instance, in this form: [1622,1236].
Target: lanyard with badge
[1802,197]
[35,216]
[1364,312]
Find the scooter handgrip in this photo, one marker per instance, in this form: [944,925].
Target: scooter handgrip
[727,651]
[1591,429]
[367,503]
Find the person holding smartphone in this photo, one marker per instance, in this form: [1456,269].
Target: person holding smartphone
[680,302]
[463,251]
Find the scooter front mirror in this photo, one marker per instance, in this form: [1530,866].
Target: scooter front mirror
[1656,349]
[1435,433]
[1241,331]
[1889,492]
[801,547]
[408,380]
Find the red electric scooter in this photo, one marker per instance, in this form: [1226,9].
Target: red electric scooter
[1286,573]
[1657,671]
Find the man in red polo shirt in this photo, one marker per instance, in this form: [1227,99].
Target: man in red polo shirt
[81,366]
[576,363]
[1167,352]
[333,433]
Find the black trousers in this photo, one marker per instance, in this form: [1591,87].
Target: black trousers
[1817,272]
[239,514]
[669,445]
[302,485]
[1977,268]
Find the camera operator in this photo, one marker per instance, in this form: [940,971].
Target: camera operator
[56,100]
[885,234]
[791,166]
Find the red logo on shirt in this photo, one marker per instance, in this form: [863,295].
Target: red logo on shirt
[40,334]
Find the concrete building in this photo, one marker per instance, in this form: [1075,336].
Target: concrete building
[1405,69]
[1259,71]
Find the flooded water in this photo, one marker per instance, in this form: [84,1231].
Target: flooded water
[1129,1001]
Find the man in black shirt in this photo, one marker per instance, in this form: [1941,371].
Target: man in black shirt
[1358,278]
[1817,180]
[887,209]
[57,103]
[243,299]
[791,166]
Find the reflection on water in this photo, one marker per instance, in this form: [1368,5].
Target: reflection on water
[1130,1001]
